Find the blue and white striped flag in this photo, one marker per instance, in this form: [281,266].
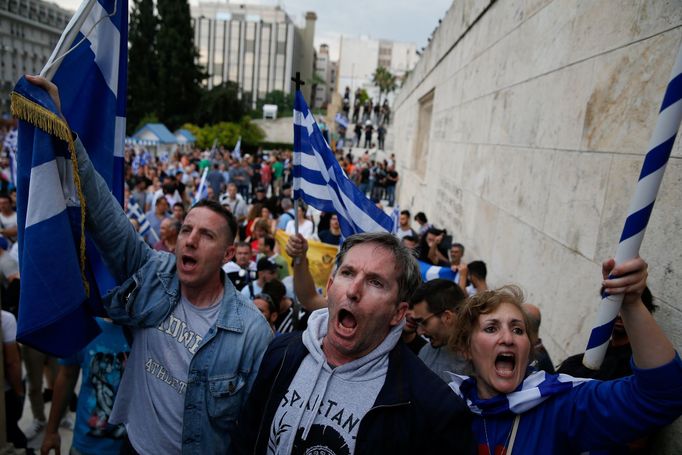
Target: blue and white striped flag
[535,388]
[395,217]
[134,213]
[59,293]
[320,181]
[237,152]
[431,272]
[202,190]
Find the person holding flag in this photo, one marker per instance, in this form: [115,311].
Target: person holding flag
[90,65]
[349,361]
[197,344]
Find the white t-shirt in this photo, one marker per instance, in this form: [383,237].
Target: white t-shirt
[9,327]
[151,397]
[305,228]
[8,222]
[400,233]
[9,335]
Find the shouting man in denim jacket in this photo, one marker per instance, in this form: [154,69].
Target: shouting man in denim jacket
[197,343]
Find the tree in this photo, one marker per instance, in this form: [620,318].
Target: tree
[221,104]
[385,80]
[251,133]
[361,96]
[283,101]
[143,68]
[227,133]
[147,118]
[180,77]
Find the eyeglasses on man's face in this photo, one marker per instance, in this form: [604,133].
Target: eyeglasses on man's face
[422,322]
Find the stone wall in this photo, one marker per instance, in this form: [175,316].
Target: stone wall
[542,112]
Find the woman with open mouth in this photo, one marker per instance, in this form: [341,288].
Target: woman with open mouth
[528,411]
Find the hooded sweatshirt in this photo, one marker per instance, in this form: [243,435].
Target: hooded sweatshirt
[323,406]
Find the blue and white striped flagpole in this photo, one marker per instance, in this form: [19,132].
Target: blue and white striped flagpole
[641,205]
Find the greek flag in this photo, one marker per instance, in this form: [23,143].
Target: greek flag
[135,213]
[320,181]
[237,152]
[534,389]
[202,190]
[431,272]
[395,217]
[59,293]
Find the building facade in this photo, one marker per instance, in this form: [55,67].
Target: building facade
[522,130]
[29,31]
[360,57]
[257,46]
[325,70]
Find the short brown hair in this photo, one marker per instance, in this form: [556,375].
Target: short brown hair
[484,303]
[405,263]
[231,223]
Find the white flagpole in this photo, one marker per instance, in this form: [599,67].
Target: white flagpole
[70,32]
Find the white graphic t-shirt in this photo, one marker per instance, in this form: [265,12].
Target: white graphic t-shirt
[151,397]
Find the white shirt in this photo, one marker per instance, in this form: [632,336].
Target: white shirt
[305,228]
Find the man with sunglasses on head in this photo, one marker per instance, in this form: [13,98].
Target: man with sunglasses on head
[434,312]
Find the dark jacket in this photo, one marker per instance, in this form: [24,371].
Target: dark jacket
[415,411]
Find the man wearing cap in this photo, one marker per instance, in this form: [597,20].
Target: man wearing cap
[266,272]
[259,197]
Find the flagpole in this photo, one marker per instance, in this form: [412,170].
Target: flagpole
[66,40]
[641,205]
[297,140]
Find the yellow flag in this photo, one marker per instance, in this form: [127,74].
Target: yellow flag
[320,258]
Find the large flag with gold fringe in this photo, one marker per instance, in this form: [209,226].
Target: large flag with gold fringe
[59,288]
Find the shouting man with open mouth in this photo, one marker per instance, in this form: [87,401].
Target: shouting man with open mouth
[348,384]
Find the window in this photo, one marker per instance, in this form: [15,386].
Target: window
[421,143]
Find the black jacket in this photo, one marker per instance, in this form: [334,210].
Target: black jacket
[415,411]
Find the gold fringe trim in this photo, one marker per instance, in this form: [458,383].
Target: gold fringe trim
[35,114]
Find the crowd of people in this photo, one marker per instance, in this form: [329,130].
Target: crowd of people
[215,344]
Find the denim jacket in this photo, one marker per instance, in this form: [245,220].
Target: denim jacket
[224,367]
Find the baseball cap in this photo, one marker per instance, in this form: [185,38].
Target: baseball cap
[266,264]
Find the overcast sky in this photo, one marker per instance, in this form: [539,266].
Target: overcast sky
[396,20]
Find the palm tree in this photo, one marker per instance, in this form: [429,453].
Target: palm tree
[386,81]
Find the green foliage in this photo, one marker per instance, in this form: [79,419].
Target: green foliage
[277,145]
[284,102]
[143,65]
[251,133]
[316,80]
[147,118]
[178,91]
[385,80]
[221,104]
[227,133]
[362,96]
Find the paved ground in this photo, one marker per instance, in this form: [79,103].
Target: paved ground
[27,419]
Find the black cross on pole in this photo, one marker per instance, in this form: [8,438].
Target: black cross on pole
[298,81]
